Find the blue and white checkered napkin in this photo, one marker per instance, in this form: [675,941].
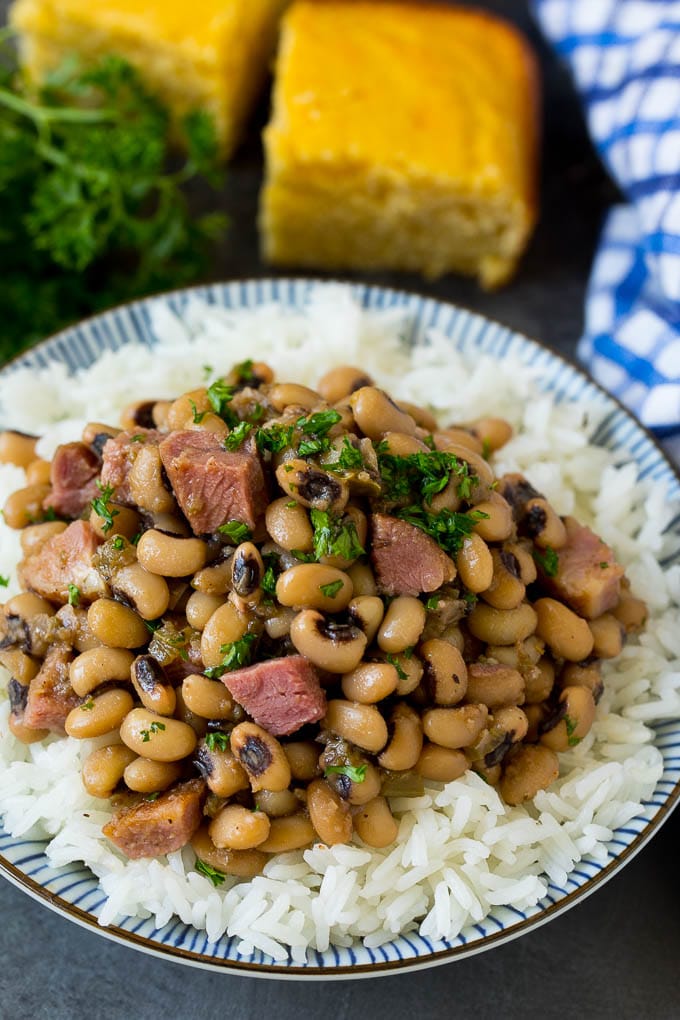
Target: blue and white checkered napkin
[625,58]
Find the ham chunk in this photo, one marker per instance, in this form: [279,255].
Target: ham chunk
[281,695]
[50,695]
[214,485]
[64,559]
[73,475]
[158,827]
[588,577]
[119,454]
[406,560]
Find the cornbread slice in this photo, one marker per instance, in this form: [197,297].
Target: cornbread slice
[212,55]
[403,136]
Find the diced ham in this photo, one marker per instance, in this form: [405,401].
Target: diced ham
[406,560]
[64,559]
[50,695]
[281,695]
[119,455]
[214,485]
[73,475]
[588,577]
[161,826]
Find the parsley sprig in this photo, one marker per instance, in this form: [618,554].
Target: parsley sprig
[548,561]
[422,474]
[447,528]
[334,536]
[236,654]
[101,506]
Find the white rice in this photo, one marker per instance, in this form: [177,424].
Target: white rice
[460,851]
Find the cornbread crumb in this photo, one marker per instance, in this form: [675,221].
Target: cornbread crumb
[403,136]
[212,55]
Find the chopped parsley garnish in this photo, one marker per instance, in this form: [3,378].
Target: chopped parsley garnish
[220,396]
[422,474]
[486,449]
[236,654]
[244,371]
[118,542]
[331,589]
[216,877]
[401,672]
[50,514]
[350,458]
[571,725]
[470,598]
[355,773]
[135,538]
[73,595]
[238,435]
[268,583]
[308,447]
[447,528]
[139,438]
[604,565]
[101,507]
[432,603]
[198,415]
[235,531]
[4,581]
[207,371]
[548,561]
[88,705]
[217,741]
[153,796]
[274,438]
[320,423]
[153,625]
[335,536]
[155,727]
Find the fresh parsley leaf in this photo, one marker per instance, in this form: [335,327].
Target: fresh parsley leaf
[216,877]
[235,531]
[118,542]
[207,371]
[236,654]
[217,741]
[422,475]
[268,583]
[152,796]
[154,727]
[571,725]
[220,396]
[350,458]
[548,561]
[73,595]
[335,536]
[274,438]
[238,435]
[604,565]
[447,528]
[309,447]
[486,449]
[355,773]
[244,370]
[101,506]
[331,589]
[432,603]
[318,424]
[139,438]
[197,415]
[394,661]
[153,625]
[4,581]
[88,705]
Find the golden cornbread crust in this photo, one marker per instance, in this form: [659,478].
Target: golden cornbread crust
[213,55]
[403,136]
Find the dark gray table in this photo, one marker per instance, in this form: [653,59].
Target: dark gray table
[614,955]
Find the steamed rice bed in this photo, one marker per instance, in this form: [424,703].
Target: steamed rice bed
[460,851]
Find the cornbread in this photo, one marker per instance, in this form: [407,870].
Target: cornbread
[212,55]
[403,136]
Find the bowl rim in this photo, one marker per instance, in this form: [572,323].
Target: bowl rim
[436,958]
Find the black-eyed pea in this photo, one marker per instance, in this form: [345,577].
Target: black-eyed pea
[502,626]
[406,740]
[328,813]
[567,635]
[221,769]
[525,561]
[367,612]
[116,625]
[445,671]
[197,722]
[215,579]
[402,625]
[398,444]
[533,768]
[361,725]
[539,680]
[277,803]
[494,684]
[493,432]
[583,674]
[19,665]
[375,824]
[279,623]
[224,627]
[247,571]
[283,395]
[145,482]
[631,612]
[303,759]
[463,451]
[293,832]
[289,525]
[607,634]
[341,381]
[152,687]
[240,863]
[441,764]
[262,757]
[169,555]
[238,828]
[156,736]
[361,792]
[314,586]
[104,768]
[363,579]
[184,411]
[25,506]
[423,417]
[99,714]
[457,727]
[126,522]
[209,699]
[461,436]
[376,414]
[311,487]
[536,715]
[148,594]
[27,606]
[409,671]
[575,715]
[98,666]
[17,448]
[497,524]
[26,734]
[475,563]
[200,607]
[336,647]
[35,536]
[146,776]
[370,682]
[510,722]
[506,590]
[542,524]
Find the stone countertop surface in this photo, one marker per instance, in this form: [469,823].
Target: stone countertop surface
[614,954]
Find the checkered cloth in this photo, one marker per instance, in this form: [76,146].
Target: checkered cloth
[625,58]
